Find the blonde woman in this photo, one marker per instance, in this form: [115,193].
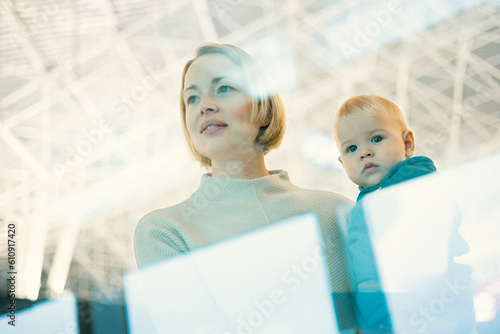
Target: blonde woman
[231,118]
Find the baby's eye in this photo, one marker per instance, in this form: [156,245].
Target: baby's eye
[377,139]
[351,148]
[191,99]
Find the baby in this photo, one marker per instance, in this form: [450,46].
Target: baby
[376,150]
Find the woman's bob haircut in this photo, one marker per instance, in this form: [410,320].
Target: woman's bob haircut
[267,105]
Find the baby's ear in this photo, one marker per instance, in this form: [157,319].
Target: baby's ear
[409,142]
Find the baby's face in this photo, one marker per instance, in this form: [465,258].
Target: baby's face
[370,146]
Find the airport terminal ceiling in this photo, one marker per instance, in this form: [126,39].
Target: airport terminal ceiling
[90,136]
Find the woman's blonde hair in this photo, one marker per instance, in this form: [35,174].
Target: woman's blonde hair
[267,104]
[370,104]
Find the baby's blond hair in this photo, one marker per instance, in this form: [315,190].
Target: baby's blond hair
[370,104]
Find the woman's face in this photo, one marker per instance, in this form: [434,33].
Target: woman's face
[218,109]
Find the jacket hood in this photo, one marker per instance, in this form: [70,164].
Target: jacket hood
[405,170]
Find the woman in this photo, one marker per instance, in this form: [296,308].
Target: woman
[231,119]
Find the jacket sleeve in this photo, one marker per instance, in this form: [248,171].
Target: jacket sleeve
[372,309]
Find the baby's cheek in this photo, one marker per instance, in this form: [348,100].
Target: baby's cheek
[352,172]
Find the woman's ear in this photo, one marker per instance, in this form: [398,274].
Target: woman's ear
[267,121]
[409,142]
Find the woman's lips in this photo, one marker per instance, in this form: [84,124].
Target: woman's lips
[369,168]
[211,126]
[213,129]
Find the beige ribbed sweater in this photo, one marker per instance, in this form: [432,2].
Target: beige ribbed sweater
[223,207]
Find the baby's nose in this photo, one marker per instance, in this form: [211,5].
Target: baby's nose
[365,153]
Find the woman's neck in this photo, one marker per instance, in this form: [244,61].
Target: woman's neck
[236,169]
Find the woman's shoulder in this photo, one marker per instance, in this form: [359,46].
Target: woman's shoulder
[324,196]
[315,194]
[159,235]
[332,208]
[171,216]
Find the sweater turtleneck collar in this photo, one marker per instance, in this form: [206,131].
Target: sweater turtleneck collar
[277,179]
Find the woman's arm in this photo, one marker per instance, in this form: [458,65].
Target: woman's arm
[157,238]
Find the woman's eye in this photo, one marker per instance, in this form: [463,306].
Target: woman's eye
[351,148]
[224,89]
[191,99]
[377,139]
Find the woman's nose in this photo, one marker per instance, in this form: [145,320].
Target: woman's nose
[208,105]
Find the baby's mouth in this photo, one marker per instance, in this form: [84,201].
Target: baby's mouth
[369,167]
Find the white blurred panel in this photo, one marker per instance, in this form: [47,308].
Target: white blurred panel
[58,315]
[243,285]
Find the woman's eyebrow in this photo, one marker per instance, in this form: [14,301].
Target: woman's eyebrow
[190,87]
[214,81]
